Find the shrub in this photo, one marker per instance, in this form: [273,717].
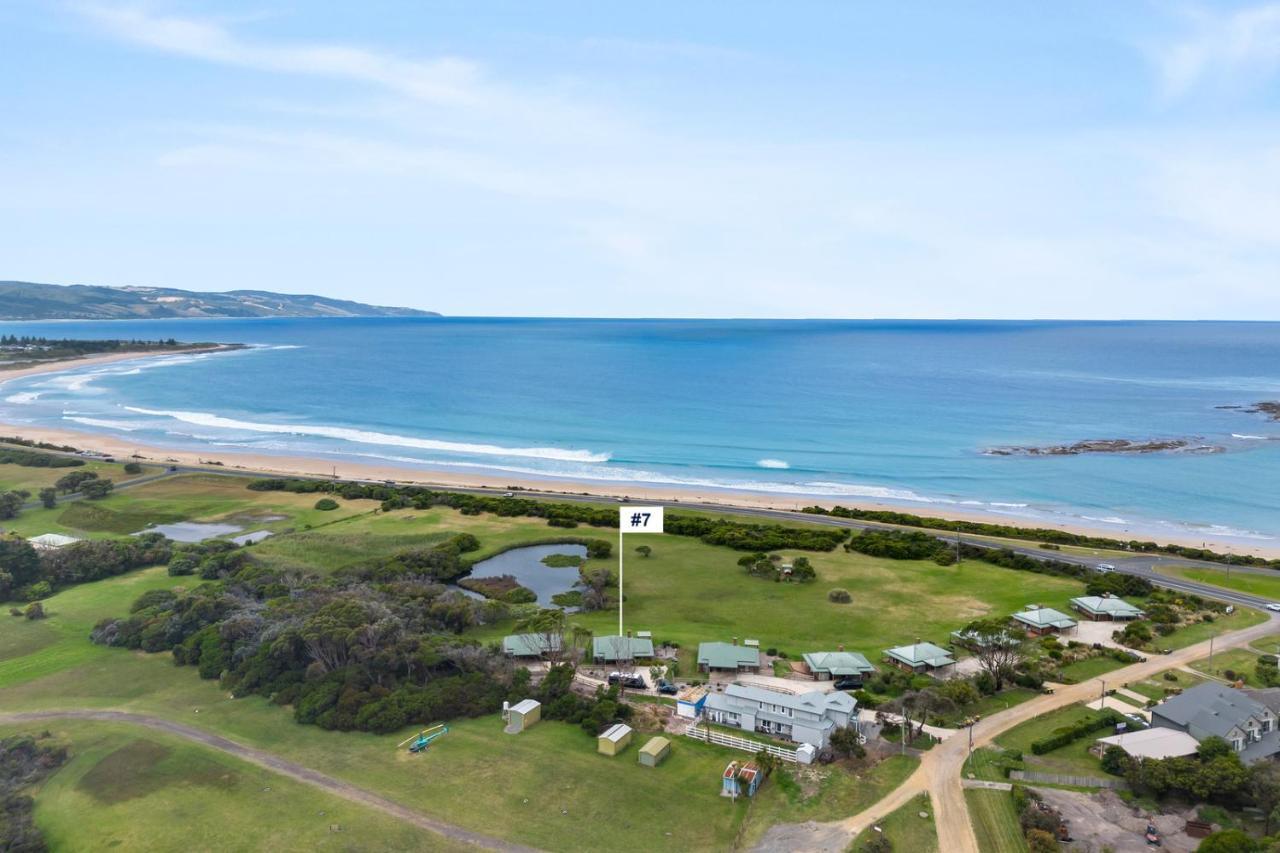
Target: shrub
[35,610]
[839,596]
[1170,676]
[132,468]
[1075,731]
[326,504]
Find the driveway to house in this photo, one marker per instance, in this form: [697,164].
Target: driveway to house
[940,768]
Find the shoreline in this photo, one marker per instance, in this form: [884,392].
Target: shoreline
[309,466]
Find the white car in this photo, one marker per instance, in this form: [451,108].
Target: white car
[1274,606]
[1104,568]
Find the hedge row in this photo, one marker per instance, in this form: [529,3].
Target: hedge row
[1077,730]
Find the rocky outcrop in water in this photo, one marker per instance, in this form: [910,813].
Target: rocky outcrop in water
[1111,445]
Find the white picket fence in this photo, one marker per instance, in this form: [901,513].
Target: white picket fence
[698,732]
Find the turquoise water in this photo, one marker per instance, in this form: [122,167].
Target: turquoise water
[876,410]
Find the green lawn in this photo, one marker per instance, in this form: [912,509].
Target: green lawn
[1154,687]
[1074,758]
[988,705]
[995,822]
[1242,661]
[1243,617]
[1092,668]
[905,829]
[137,790]
[34,479]
[1267,586]
[839,794]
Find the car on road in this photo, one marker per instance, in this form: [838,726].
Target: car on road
[508,494]
[1105,568]
[1274,606]
[632,682]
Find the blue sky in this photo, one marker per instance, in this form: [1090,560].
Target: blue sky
[1091,159]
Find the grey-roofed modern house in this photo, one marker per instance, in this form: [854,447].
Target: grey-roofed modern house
[973,640]
[727,657]
[1038,621]
[530,645]
[919,657]
[1100,607]
[1212,709]
[804,718]
[826,666]
[615,648]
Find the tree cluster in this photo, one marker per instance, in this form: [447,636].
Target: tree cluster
[28,574]
[33,459]
[24,762]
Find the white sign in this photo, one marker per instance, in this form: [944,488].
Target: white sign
[640,519]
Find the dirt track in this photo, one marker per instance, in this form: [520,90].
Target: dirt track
[274,763]
[940,769]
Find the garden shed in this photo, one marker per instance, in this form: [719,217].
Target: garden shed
[655,751]
[522,715]
[614,739]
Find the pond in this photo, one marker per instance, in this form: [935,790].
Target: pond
[526,566]
[192,531]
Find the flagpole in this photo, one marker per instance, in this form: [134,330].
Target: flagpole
[620,634]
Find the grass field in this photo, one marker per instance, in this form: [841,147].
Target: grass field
[1242,661]
[905,829]
[995,822]
[35,479]
[1084,670]
[192,497]
[148,791]
[1154,687]
[1267,586]
[1074,758]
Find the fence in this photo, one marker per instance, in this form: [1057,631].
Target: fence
[697,732]
[1061,779]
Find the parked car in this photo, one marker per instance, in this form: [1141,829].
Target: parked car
[631,682]
[666,688]
[849,684]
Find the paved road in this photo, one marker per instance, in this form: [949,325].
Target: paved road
[274,763]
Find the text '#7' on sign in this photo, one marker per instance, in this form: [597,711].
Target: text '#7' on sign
[640,519]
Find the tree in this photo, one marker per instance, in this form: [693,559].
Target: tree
[49,497]
[132,468]
[10,504]
[35,610]
[1039,841]
[644,550]
[326,504]
[998,648]
[1264,789]
[1115,761]
[97,489]
[69,483]
[802,570]
[845,742]
[547,628]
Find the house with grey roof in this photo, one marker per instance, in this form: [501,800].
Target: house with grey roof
[617,648]
[728,657]
[530,645]
[973,640]
[828,666]
[1107,606]
[1038,621]
[919,657]
[1212,709]
[803,718]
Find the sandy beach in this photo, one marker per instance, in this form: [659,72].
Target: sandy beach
[289,465]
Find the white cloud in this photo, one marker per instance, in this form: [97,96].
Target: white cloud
[1222,46]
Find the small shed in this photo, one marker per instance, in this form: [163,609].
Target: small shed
[51,541]
[689,702]
[655,751]
[614,739]
[522,715]
[741,779]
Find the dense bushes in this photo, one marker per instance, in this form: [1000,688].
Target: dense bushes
[34,459]
[1068,734]
[27,574]
[326,504]
[24,762]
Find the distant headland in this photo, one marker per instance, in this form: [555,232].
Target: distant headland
[24,300]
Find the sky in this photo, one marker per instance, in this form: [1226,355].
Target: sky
[693,159]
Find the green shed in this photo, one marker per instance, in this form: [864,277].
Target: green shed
[655,751]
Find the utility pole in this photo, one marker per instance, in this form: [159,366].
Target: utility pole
[1211,654]
[957,544]
[1103,698]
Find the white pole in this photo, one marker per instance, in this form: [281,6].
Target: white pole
[620,634]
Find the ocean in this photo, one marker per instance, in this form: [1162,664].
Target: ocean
[898,412]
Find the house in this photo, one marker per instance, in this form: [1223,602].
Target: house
[616,648]
[690,702]
[530,645]
[655,751]
[828,666]
[727,657]
[1213,709]
[614,739]
[521,715]
[1151,743]
[920,657]
[51,541]
[741,779]
[1038,621]
[803,718]
[1107,606]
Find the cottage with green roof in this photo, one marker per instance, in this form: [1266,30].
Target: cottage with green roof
[920,657]
[727,657]
[828,666]
[530,645]
[1101,607]
[616,648]
[1038,621]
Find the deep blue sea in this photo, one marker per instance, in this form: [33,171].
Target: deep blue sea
[877,410]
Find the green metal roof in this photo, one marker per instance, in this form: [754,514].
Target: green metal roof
[1044,617]
[529,645]
[727,656]
[621,648]
[1107,604]
[838,663]
[921,654]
